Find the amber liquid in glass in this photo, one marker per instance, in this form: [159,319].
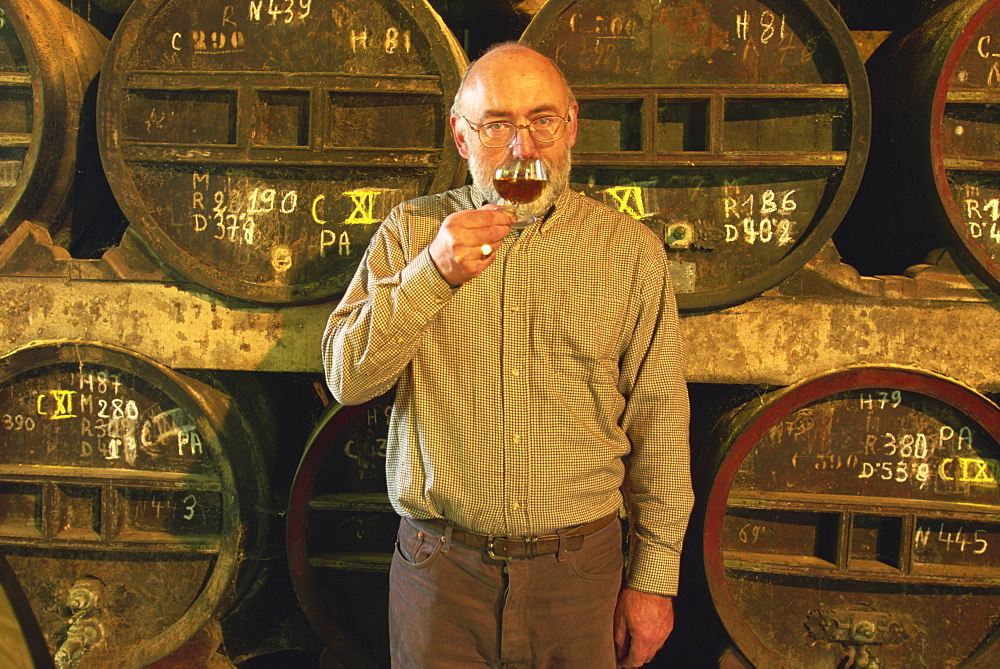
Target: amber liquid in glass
[517,190]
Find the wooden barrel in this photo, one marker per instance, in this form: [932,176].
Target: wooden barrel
[256,147]
[49,57]
[934,173]
[855,517]
[737,131]
[130,499]
[340,532]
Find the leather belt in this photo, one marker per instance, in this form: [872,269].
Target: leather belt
[509,548]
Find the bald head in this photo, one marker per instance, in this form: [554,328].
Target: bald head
[509,64]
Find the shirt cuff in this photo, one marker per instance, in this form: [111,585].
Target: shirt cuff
[654,571]
[422,280]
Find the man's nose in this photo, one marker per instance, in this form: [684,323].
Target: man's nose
[523,144]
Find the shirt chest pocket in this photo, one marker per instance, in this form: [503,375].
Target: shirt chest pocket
[577,331]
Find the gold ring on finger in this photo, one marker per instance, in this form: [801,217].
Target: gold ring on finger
[487,250]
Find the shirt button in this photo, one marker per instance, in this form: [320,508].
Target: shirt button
[515,506]
[515,372]
[516,438]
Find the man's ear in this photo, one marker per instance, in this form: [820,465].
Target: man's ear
[459,136]
[574,111]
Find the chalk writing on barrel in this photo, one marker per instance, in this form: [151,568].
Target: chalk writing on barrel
[880,399]
[980,214]
[958,539]
[773,224]
[55,404]
[364,204]
[17,422]
[628,200]
[168,429]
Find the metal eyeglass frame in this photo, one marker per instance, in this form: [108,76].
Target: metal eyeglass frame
[517,126]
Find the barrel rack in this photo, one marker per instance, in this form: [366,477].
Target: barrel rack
[822,317]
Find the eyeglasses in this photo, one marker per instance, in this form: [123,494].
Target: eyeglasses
[544,129]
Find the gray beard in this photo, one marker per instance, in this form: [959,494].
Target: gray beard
[558,169]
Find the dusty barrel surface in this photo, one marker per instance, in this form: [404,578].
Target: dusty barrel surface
[130,500]
[737,131]
[853,517]
[255,146]
[340,532]
[49,57]
[934,176]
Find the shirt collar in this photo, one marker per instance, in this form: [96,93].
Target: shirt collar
[550,216]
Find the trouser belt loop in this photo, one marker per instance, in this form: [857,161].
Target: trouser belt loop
[447,538]
[561,552]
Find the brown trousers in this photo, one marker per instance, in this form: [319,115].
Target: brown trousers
[452,607]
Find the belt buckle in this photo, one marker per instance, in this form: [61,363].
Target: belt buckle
[489,548]
[530,547]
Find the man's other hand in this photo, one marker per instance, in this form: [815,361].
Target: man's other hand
[643,621]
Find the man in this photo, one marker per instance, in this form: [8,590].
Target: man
[539,372]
